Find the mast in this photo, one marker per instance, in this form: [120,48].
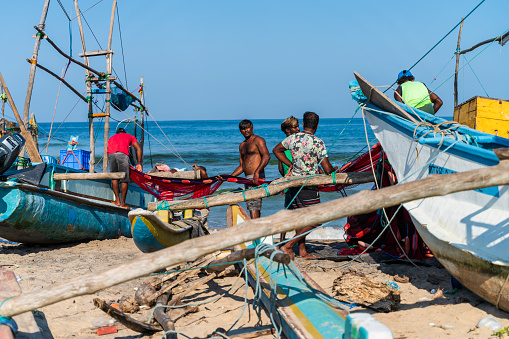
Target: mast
[33,63]
[3,106]
[109,68]
[142,100]
[457,66]
[89,93]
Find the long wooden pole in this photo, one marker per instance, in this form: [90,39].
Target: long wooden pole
[31,77]
[109,69]
[31,147]
[282,221]
[3,107]
[89,92]
[457,66]
[88,176]
[142,137]
[275,187]
[33,63]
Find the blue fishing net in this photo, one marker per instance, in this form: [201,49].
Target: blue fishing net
[120,99]
[356,92]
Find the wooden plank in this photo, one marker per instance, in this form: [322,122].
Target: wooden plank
[95,53]
[30,145]
[282,221]
[9,287]
[194,174]
[375,96]
[88,176]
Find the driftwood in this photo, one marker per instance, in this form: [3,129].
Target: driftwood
[200,261]
[355,287]
[274,187]
[246,333]
[282,221]
[248,253]
[162,318]
[88,176]
[181,279]
[126,320]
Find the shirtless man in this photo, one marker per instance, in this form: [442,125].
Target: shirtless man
[254,156]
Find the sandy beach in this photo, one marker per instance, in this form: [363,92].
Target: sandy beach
[418,316]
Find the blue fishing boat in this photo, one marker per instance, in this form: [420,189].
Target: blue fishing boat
[154,231]
[35,208]
[468,232]
[298,305]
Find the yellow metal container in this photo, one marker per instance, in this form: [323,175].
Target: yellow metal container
[485,114]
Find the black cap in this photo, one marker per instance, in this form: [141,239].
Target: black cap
[121,130]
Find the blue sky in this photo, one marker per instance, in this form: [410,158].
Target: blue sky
[215,59]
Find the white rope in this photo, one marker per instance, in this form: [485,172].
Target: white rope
[175,154]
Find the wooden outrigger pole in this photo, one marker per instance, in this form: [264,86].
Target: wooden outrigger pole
[502,40]
[273,188]
[282,221]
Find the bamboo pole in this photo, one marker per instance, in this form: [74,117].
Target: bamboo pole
[31,77]
[275,187]
[31,147]
[3,108]
[457,66]
[282,221]
[88,176]
[109,69]
[89,92]
[142,111]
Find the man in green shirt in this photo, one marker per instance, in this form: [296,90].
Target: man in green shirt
[416,94]
[289,126]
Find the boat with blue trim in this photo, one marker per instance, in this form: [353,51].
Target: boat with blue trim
[468,231]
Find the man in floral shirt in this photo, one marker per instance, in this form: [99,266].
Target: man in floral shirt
[308,153]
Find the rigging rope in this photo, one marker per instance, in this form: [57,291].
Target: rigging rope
[432,48]
[122,48]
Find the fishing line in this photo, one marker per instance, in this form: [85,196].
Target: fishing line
[432,48]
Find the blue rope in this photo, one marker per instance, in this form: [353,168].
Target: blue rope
[8,321]
[468,63]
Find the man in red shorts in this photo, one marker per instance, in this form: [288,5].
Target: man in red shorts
[118,161]
[308,152]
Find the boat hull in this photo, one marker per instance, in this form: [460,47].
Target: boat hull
[484,278]
[151,234]
[31,214]
[467,231]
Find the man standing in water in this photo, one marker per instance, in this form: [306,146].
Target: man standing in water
[254,156]
[308,152]
[118,161]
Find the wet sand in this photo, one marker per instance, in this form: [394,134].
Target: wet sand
[454,316]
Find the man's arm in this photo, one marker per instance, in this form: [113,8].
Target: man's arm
[280,168]
[264,152]
[437,102]
[239,169]
[279,152]
[398,95]
[139,166]
[327,167]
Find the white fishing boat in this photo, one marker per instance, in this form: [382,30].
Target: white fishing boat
[468,231]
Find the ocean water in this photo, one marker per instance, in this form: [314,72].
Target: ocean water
[214,144]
